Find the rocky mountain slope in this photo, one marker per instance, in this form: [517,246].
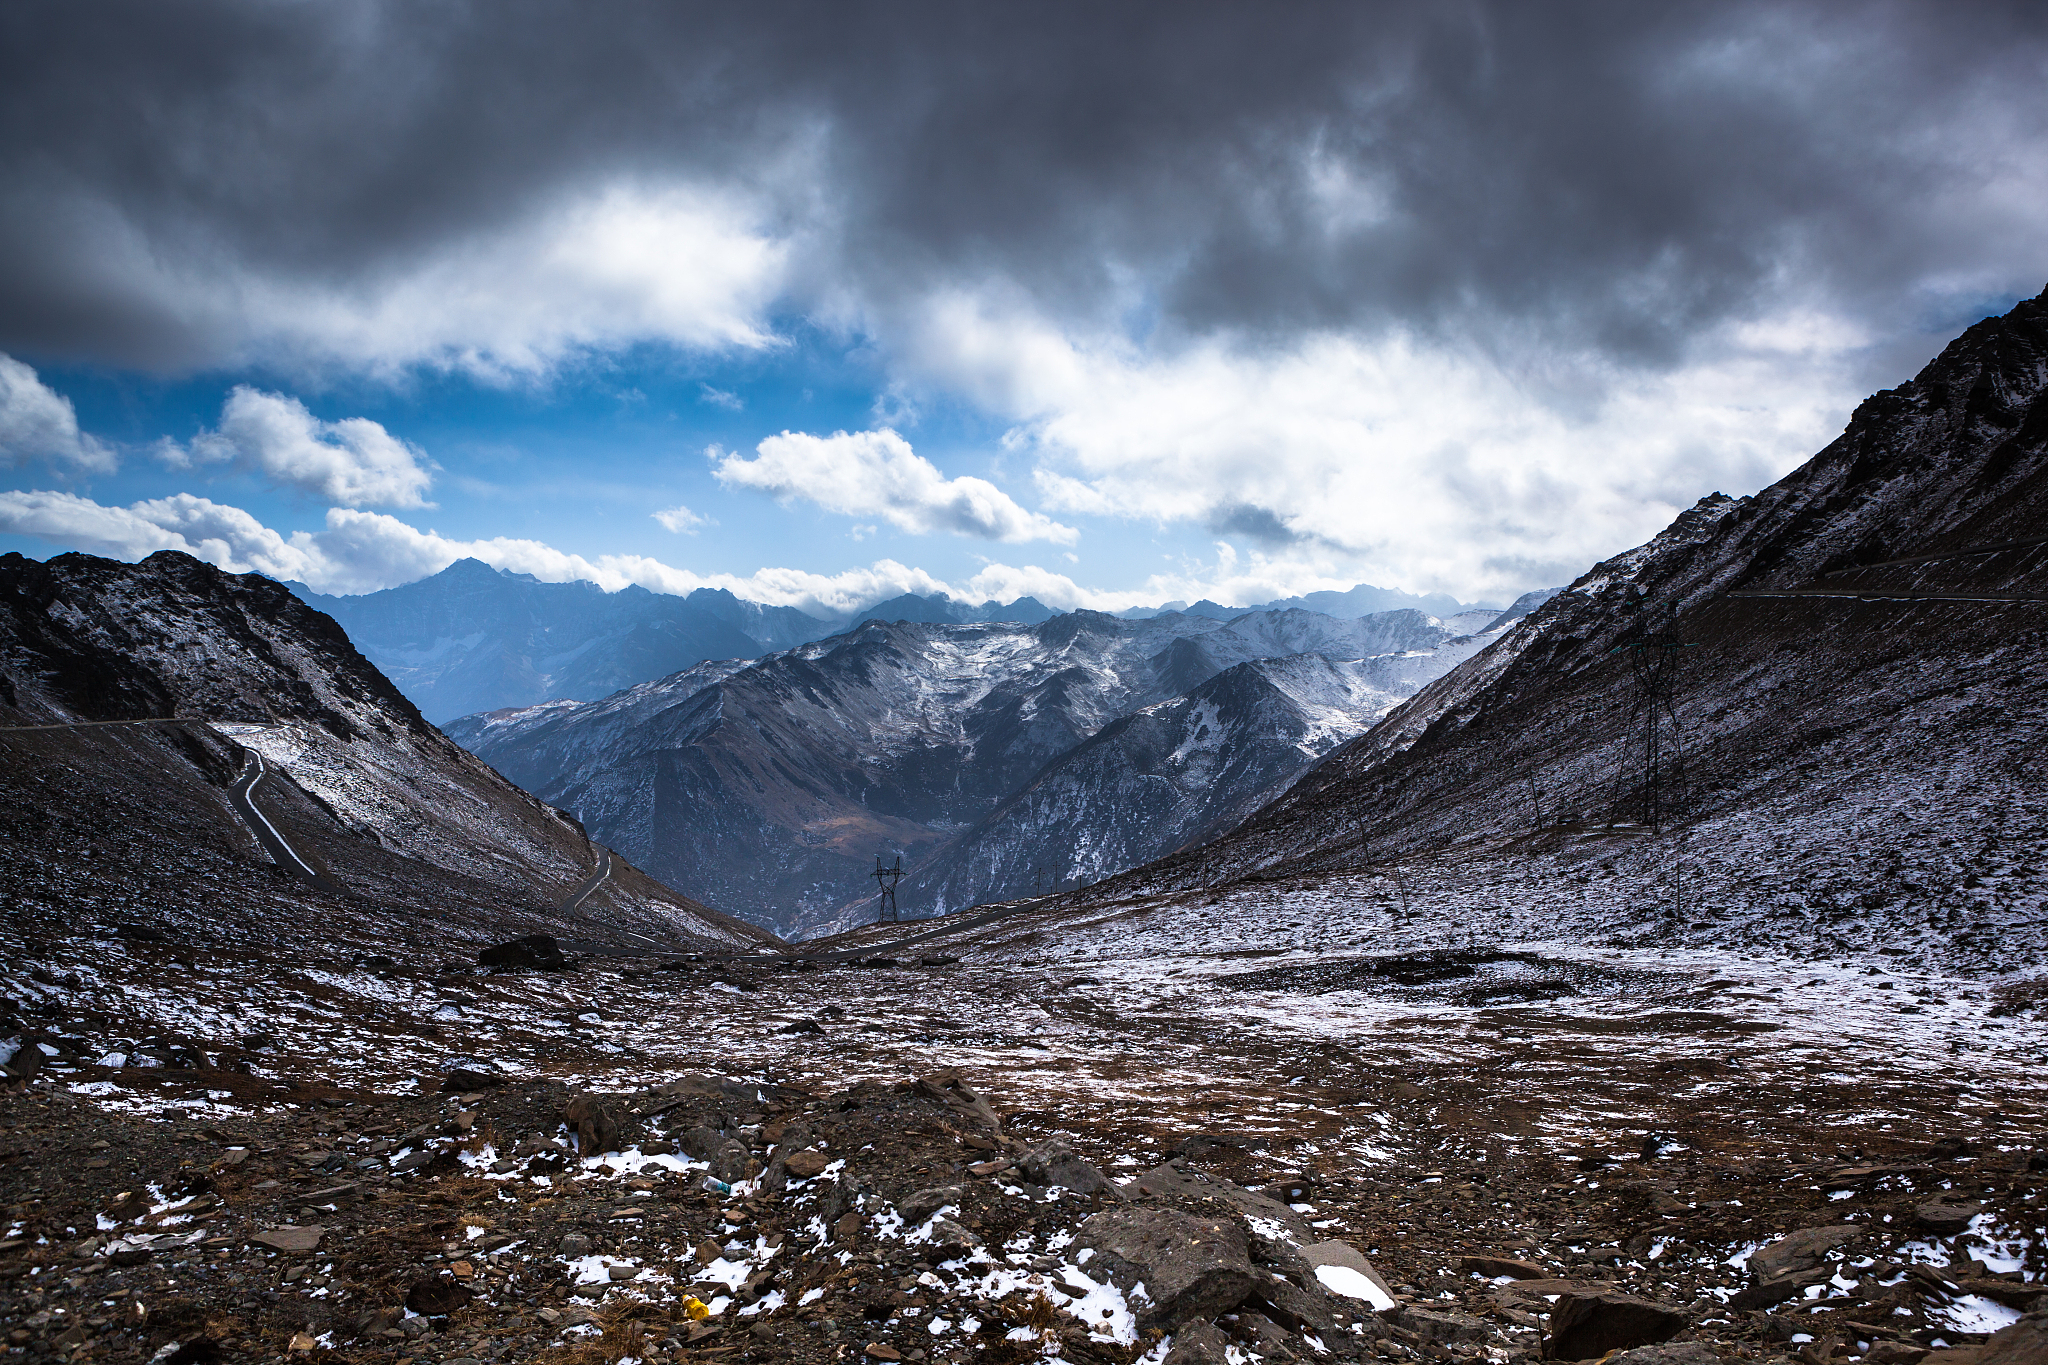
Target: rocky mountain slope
[770,788]
[1847,761]
[360,813]
[1169,774]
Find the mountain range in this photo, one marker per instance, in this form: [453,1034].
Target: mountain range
[975,751]
[472,638]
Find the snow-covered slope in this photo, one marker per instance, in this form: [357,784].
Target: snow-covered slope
[380,804]
[1169,774]
[1855,771]
[771,787]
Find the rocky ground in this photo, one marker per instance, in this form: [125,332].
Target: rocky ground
[1336,1136]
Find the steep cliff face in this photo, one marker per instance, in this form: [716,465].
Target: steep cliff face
[771,787]
[1852,760]
[391,817]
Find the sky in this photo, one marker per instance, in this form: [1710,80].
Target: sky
[1104,304]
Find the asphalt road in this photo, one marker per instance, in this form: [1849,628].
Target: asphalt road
[590,883]
[242,796]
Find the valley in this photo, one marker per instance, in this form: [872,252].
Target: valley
[1650,974]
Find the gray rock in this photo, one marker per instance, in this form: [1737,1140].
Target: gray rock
[1944,1218]
[1170,1183]
[1440,1325]
[296,1240]
[1269,1339]
[1191,1267]
[1198,1344]
[1057,1163]
[922,1204]
[1348,1257]
[574,1245]
[1494,1267]
[1802,1251]
[1669,1353]
[728,1156]
[1299,1308]
[948,1235]
[2022,1343]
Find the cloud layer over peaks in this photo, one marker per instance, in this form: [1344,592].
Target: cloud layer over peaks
[877,474]
[500,185]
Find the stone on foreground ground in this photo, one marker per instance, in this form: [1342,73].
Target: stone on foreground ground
[258,1158]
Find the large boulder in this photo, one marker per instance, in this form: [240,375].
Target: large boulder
[1342,1269]
[1198,1344]
[1440,1325]
[1946,1217]
[2022,1343]
[1057,1163]
[1191,1268]
[1586,1327]
[1669,1353]
[1779,1271]
[1798,1253]
[728,1156]
[949,1089]
[1171,1183]
[919,1205]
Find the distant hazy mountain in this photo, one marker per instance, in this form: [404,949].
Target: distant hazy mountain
[939,609]
[768,788]
[1363,600]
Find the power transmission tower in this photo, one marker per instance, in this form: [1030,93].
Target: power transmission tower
[1653,676]
[886,878]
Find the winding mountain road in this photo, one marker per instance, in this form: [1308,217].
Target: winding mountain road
[590,883]
[242,796]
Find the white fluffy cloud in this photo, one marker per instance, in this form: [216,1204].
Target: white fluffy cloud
[877,474]
[1397,460]
[38,423]
[354,462]
[682,520]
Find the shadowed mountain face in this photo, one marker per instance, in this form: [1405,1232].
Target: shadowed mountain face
[402,827]
[769,788]
[1851,763]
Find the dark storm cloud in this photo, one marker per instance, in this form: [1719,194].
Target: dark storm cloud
[1617,174]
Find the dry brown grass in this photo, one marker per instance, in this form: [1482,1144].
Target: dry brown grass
[625,1330]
